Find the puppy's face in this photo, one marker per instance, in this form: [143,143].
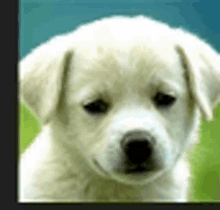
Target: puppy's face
[130,111]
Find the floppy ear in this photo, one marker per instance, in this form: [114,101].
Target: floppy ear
[202,66]
[41,75]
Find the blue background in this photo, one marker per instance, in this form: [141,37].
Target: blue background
[40,19]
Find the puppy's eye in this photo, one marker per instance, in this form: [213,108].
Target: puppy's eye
[163,100]
[96,107]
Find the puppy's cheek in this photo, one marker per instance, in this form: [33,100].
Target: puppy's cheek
[164,157]
[108,153]
[98,156]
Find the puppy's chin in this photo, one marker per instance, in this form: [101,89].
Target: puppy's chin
[135,178]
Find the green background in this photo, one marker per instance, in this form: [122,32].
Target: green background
[40,19]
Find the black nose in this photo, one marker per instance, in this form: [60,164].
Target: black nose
[138,147]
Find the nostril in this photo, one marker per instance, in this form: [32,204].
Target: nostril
[138,151]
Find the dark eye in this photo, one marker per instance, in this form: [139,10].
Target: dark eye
[163,100]
[96,107]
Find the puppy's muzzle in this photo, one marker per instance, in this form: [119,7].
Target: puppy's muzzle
[138,152]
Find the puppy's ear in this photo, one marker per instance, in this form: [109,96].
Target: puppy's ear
[41,75]
[202,66]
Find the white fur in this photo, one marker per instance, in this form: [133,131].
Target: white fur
[125,61]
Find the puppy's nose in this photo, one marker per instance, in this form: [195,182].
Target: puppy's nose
[137,146]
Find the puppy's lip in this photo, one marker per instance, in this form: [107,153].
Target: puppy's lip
[98,165]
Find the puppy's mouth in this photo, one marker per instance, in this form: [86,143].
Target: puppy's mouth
[130,174]
[135,169]
[130,169]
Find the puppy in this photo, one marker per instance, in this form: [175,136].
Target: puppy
[119,100]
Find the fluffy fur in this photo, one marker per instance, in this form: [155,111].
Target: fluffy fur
[125,61]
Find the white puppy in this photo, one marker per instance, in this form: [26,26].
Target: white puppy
[120,101]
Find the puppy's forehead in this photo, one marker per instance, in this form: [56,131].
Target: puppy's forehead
[138,64]
[128,52]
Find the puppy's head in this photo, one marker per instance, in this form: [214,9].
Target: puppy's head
[127,92]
